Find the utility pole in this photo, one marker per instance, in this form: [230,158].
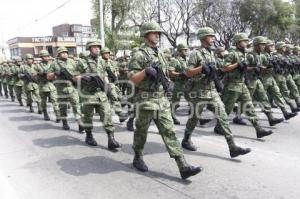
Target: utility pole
[158,16]
[101,23]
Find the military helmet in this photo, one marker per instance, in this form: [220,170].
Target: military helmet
[182,47]
[289,46]
[279,45]
[104,50]
[44,53]
[61,50]
[83,55]
[220,49]
[94,42]
[18,59]
[231,48]
[270,42]
[149,27]
[240,37]
[166,51]
[205,31]
[259,40]
[29,56]
[296,49]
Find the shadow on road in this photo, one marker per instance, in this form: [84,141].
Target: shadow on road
[25,118]
[103,165]
[38,127]
[58,142]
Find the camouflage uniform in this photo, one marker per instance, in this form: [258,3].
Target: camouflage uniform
[19,84]
[46,87]
[66,91]
[235,89]
[30,86]
[11,78]
[94,98]
[5,71]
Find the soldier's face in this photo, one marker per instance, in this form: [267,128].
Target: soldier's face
[64,55]
[29,61]
[185,52]
[106,56]
[45,58]
[153,37]
[95,50]
[261,47]
[270,48]
[243,44]
[222,54]
[208,40]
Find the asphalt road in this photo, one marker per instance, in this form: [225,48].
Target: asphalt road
[40,160]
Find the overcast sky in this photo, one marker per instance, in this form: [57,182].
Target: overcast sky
[17,17]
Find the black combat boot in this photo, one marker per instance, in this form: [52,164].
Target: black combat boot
[39,108]
[122,116]
[13,98]
[187,143]
[80,129]
[239,120]
[204,121]
[175,120]
[65,125]
[185,169]
[46,116]
[260,132]
[234,149]
[288,115]
[31,108]
[138,163]
[89,139]
[112,143]
[273,121]
[294,108]
[21,103]
[298,102]
[130,124]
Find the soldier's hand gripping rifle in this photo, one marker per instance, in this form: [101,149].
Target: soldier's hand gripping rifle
[211,75]
[161,80]
[96,83]
[111,76]
[242,66]
[64,73]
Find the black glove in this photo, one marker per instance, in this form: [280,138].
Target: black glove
[151,72]
[243,65]
[206,69]
[182,75]
[86,78]
[257,70]
[57,73]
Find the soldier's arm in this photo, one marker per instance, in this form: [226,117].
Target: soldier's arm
[194,65]
[230,63]
[137,72]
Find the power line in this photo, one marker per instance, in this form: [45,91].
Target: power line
[46,15]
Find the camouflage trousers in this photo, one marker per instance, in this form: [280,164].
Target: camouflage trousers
[32,95]
[273,91]
[66,98]
[11,90]
[258,94]
[217,106]
[52,96]
[285,92]
[19,91]
[1,87]
[294,92]
[103,108]
[5,88]
[164,123]
[238,92]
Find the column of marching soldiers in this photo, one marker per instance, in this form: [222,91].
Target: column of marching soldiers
[261,72]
